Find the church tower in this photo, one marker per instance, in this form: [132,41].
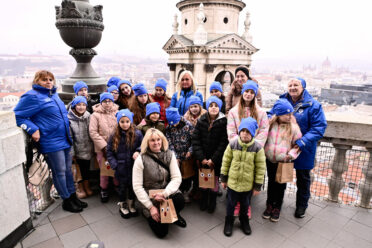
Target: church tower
[208,43]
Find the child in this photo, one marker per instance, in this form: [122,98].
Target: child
[102,125]
[81,89]
[122,149]
[152,119]
[125,93]
[195,110]
[243,170]
[178,134]
[280,147]
[209,141]
[82,149]
[138,103]
[216,90]
[160,96]
[113,89]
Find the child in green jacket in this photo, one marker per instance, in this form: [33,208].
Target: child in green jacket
[243,170]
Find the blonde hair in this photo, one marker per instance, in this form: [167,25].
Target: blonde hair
[39,75]
[178,86]
[289,127]
[252,108]
[151,132]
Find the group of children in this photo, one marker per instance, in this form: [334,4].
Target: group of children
[239,147]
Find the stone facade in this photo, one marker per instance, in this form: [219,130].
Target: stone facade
[223,49]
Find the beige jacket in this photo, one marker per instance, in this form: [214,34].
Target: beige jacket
[102,124]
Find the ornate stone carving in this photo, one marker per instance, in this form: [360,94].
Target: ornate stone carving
[247,24]
[189,67]
[83,51]
[200,36]
[175,25]
[69,10]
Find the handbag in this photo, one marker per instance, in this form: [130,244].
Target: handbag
[168,212]
[206,179]
[187,168]
[38,171]
[284,173]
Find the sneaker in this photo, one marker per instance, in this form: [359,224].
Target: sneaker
[268,211]
[124,210]
[249,212]
[275,215]
[104,196]
[300,212]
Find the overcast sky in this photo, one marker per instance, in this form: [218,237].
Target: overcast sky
[282,29]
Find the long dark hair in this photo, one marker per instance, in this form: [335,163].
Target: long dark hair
[129,138]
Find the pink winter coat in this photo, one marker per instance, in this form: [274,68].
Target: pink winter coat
[278,146]
[233,123]
[102,124]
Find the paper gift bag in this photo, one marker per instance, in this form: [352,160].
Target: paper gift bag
[284,173]
[152,192]
[206,179]
[105,169]
[187,168]
[168,212]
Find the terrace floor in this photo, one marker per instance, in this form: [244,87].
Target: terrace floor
[325,225]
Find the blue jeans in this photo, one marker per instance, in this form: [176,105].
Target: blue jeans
[234,197]
[303,188]
[60,164]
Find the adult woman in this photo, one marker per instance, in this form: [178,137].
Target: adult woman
[42,114]
[185,89]
[157,168]
[310,117]
[125,93]
[241,76]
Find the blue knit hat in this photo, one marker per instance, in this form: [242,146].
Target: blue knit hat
[104,96]
[123,82]
[214,99]
[79,85]
[139,89]
[194,100]
[151,108]
[112,88]
[112,81]
[124,113]
[250,124]
[303,82]
[78,100]
[173,117]
[216,86]
[162,84]
[282,107]
[250,85]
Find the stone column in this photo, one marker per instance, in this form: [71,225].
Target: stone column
[365,187]
[200,78]
[339,166]
[172,79]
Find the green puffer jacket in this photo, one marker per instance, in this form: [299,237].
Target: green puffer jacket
[243,166]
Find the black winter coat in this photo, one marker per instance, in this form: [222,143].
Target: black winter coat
[122,160]
[210,144]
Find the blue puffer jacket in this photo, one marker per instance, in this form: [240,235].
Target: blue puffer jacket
[183,102]
[311,119]
[42,109]
[122,160]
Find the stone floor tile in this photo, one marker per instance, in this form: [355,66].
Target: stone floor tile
[18,245]
[364,218]
[41,221]
[78,237]
[247,241]
[346,239]
[203,241]
[128,237]
[332,218]
[288,214]
[348,212]
[217,234]
[266,237]
[183,235]
[58,213]
[332,244]
[41,234]
[289,244]
[313,209]
[201,220]
[360,230]
[92,215]
[308,238]
[283,227]
[51,243]
[326,229]
[106,226]
[93,201]
[170,241]
[68,224]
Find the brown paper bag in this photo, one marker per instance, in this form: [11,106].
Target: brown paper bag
[76,172]
[187,168]
[206,179]
[152,192]
[284,173]
[168,212]
[105,169]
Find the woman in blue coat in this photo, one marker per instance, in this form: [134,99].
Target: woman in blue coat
[310,117]
[186,88]
[42,114]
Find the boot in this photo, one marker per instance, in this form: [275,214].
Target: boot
[229,224]
[104,196]
[244,224]
[87,189]
[77,201]
[204,200]
[80,192]
[132,209]
[124,210]
[212,202]
[69,205]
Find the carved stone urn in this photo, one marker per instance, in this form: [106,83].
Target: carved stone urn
[80,26]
